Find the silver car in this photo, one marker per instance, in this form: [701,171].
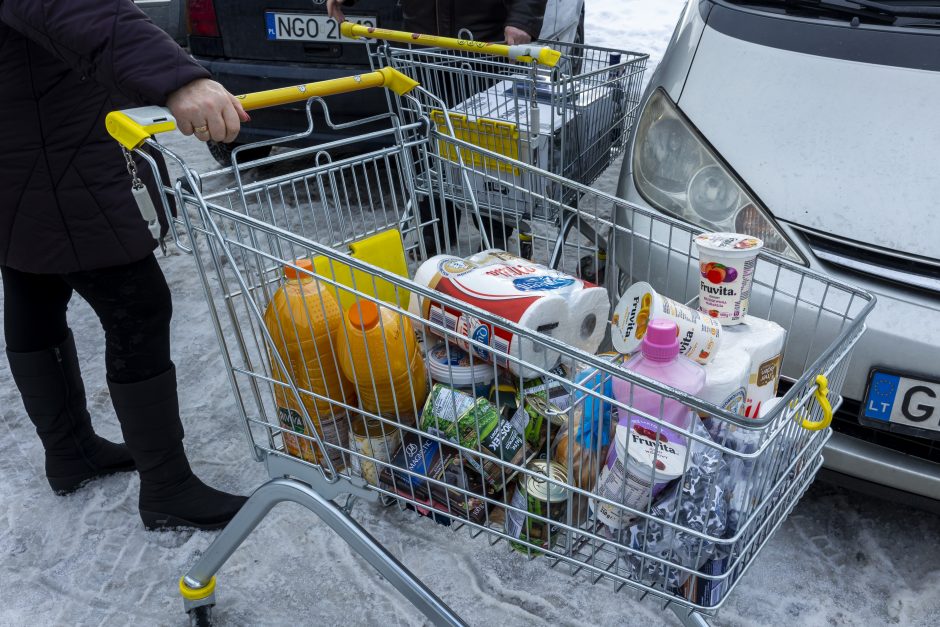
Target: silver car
[814,125]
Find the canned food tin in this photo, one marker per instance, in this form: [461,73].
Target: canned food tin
[298,443]
[374,440]
[538,496]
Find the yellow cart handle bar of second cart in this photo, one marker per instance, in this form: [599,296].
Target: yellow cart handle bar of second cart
[525,53]
[132,127]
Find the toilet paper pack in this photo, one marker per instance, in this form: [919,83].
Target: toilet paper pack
[763,340]
[588,304]
[522,295]
[726,384]
[726,379]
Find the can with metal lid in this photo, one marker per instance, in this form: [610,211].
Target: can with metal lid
[374,440]
[540,497]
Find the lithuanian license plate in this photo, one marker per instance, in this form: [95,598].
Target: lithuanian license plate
[310,27]
[902,402]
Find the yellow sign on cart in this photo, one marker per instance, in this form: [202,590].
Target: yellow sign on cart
[384,250]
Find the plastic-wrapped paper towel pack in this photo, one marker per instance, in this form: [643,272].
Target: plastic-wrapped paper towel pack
[588,305]
[763,340]
[529,294]
[726,378]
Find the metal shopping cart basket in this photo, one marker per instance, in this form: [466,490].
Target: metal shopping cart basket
[514,463]
[563,107]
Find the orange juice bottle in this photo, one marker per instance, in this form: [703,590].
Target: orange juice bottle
[380,354]
[304,321]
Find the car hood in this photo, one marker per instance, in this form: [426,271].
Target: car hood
[844,147]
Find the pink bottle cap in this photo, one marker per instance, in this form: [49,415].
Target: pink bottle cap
[661,342]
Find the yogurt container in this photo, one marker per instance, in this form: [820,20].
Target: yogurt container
[638,468]
[451,365]
[726,273]
[699,335]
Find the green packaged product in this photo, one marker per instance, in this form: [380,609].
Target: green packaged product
[477,425]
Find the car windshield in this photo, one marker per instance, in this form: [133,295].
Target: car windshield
[903,13]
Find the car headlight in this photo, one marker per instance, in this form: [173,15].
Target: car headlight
[677,172]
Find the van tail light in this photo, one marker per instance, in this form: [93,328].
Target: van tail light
[201,18]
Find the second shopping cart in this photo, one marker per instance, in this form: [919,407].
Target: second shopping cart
[565,108]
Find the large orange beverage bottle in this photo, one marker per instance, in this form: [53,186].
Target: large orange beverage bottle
[379,352]
[305,322]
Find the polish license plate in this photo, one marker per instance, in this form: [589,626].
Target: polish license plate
[902,402]
[310,27]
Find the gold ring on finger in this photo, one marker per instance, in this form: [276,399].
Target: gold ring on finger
[201,129]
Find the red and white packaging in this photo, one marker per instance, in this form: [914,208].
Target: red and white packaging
[524,294]
[588,304]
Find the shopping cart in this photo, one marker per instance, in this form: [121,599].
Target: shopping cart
[247,224]
[563,107]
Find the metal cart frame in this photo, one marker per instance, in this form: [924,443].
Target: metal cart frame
[244,222]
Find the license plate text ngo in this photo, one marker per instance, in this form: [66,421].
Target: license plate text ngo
[307,27]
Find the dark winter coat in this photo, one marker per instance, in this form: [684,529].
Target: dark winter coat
[486,19]
[65,194]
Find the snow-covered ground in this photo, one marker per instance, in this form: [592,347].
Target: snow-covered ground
[84,559]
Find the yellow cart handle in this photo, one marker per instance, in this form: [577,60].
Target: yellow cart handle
[132,127]
[822,397]
[526,53]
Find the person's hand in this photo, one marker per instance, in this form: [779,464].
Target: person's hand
[204,108]
[515,36]
[334,9]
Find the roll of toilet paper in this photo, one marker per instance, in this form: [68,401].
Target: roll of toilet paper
[726,379]
[589,310]
[588,304]
[763,340]
[528,299]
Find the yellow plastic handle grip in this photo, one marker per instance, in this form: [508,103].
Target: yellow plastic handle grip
[526,53]
[387,77]
[132,127]
[822,397]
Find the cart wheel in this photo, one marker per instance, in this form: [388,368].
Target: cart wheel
[201,616]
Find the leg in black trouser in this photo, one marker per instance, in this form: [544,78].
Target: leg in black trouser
[134,306]
[44,364]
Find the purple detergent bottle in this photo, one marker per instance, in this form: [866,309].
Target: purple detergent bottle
[649,455]
[659,359]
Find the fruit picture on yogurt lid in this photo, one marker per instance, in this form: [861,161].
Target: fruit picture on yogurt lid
[734,243]
[718,273]
[746,243]
[650,434]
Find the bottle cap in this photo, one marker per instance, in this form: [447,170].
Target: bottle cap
[363,315]
[661,342]
[290,271]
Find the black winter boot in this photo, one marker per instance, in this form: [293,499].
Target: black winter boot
[50,383]
[170,494]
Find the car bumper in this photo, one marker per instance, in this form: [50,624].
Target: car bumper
[241,77]
[903,333]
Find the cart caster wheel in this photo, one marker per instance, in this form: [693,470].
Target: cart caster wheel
[200,616]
